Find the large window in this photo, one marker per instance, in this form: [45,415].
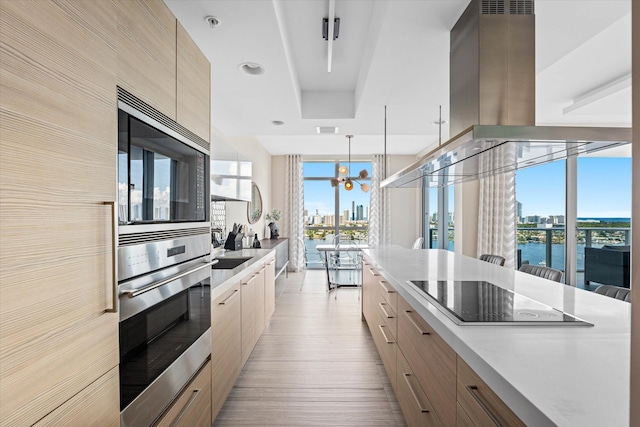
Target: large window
[329,211]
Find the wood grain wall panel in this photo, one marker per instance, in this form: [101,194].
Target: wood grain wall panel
[193,94]
[147,53]
[57,165]
[97,404]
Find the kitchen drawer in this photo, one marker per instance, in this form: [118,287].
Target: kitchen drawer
[482,406]
[388,293]
[416,406]
[192,408]
[387,348]
[389,317]
[431,359]
[370,293]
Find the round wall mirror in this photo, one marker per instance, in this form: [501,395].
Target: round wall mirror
[254,207]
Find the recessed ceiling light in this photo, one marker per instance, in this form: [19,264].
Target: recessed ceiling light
[277,122]
[212,21]
[251,68]
[327,129]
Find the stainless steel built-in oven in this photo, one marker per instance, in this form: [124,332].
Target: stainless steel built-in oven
[163,260]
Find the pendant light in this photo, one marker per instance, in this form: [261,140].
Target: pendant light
[344,177]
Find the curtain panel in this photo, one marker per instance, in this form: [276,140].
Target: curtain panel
[379,209]
[497,200]
[294,210]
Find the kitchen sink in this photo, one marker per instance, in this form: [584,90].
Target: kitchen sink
[229,263]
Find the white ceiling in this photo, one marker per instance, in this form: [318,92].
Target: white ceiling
[393,53]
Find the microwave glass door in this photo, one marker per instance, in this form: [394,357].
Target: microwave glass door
[160,179]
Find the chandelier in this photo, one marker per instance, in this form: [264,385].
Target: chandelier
[344,178]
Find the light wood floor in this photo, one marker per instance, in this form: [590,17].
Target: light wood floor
[315,364]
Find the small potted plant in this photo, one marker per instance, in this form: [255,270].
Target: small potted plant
[273,215]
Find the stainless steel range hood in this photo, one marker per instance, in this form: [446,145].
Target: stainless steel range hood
[492,104]
[484,150]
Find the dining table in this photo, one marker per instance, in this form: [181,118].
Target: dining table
[328,250]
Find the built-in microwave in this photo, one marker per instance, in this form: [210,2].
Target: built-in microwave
[163,177]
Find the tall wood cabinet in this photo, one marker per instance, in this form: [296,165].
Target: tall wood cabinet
[193,86]
[147,53]
[57,169]
[60,64]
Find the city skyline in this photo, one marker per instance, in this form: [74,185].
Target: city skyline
[604,189]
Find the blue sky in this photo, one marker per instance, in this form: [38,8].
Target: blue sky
[604,188]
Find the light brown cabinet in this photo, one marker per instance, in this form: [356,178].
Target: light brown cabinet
[259,307]
[146,44]
[58,165]
[478,405]
[416,406]
[192,408]
[269,289]
[226,345]
[193,90]
[432,361]
[97,404]
[248,298]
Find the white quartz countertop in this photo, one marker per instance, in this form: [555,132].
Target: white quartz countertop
[548,375]
[223,279]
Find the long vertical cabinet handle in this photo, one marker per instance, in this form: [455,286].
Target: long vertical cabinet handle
[413,393]
[184,410]
[114,260]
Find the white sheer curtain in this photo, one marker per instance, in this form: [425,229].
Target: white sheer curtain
[294,210]
[379,221]
[497,212]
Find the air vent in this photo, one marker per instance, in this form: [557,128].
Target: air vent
[492,7]
[327,129]
[145,108]
[153,236]
[521,7]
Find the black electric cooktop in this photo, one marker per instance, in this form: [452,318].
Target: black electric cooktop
[469,302]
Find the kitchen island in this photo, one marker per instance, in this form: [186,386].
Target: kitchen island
[546,374]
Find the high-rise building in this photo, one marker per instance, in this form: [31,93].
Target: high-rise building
[359,213]
[353,210]
[366,209]
[329,220]
[346,216]
[533,219]
[519,211]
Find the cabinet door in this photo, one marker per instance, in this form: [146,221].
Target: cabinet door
[415,405]
[432,361]
[192,408]
[247,294]
[269,290]
[97,404]
[259,316]
[146,43]
[479,403]
[226,345]
[370,285]
[57,167]
[193,86]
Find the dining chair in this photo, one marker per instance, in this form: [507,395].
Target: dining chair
[418,243]
[493,259]
[623,294]
[542,271]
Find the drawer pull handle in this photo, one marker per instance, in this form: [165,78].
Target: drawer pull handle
[384,335]
[227,299]
[249,280]
[413,322]
[413,393]
[186,408]
[373,272]
[473,390]
[387,315]
[387,290]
